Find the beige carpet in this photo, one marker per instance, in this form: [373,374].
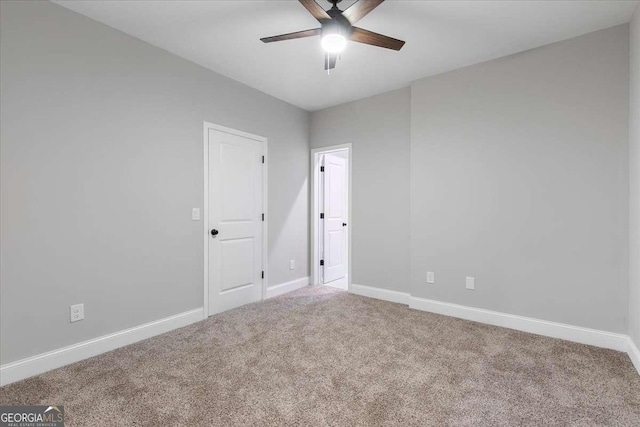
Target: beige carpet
[322,357]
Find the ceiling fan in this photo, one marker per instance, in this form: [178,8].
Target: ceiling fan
[337,26]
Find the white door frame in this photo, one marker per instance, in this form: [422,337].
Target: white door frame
[316,155]
[206,127]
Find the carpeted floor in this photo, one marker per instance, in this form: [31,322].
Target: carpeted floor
[322,357]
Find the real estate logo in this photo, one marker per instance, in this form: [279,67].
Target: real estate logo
[31,416]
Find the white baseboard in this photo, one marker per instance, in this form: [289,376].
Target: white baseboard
[577,334]
[25,368]
[44,362]
[634,354]
[379,293]
[283,288]
[597,338]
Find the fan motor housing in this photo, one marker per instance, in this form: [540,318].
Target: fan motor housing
[337,23]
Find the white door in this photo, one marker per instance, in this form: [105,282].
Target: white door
[235,220]
[335,215]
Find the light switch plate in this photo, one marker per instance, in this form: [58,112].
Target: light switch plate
[431,277]
[471,283]
[292,264]
[195,214]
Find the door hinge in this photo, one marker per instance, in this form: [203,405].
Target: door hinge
[262,159]
[263,274]
[321,216]
[321,168]
[321,262]
[263,217]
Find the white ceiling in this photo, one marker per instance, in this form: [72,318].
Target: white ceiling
[440,35]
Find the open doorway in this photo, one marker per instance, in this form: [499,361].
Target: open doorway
[331,216]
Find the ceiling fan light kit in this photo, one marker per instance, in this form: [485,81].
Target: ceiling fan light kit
[337,27]
[334,38]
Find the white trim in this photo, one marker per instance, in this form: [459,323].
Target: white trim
[315,194]
[283,288]
[379,293]
[25,368]
[265,145]
[577,334]
[205,218]
[634,354]
[265,224]
[594,337]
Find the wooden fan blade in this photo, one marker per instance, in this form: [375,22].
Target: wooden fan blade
[330,61]
[291,36]
[369,37]
[316,10]
[359,9]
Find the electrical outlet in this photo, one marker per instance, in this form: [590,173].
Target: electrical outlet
[195,214]
[431,277]
[292,264]
[471,283]
[76,312]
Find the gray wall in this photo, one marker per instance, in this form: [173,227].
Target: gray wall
[519,174]
[101,165]
[378,128]
[634,190]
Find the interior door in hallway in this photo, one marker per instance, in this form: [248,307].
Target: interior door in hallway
[335,217]
[235,220]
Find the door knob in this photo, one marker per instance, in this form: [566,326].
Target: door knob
[214,232]
[344,224]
